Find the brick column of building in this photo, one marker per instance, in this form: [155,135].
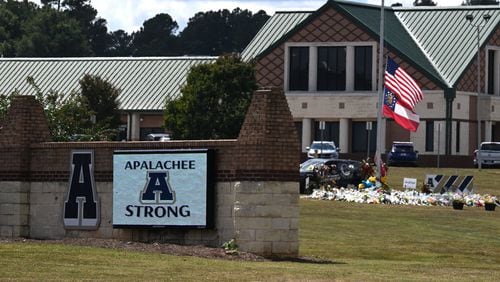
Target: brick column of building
[266,207]
[23,125]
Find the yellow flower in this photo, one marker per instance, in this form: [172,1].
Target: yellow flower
[383,179]
[372,179]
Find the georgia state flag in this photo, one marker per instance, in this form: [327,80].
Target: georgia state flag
[403,116]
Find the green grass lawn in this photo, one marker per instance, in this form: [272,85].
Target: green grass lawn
[353,242]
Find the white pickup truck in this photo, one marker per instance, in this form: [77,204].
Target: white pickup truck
[488,153]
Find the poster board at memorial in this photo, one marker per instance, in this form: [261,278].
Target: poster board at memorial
[439,183]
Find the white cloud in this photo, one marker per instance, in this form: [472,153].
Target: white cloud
[129,15]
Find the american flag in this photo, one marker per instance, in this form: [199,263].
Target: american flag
[402,85]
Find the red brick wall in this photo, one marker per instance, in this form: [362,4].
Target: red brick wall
[58,154]
[267,148]
[24,124]
[268,145]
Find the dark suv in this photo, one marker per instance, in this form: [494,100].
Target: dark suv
[402,153]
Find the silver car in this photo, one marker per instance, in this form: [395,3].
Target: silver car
[323,149]
[158,137]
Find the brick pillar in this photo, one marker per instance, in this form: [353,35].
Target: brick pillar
[266,207]
[23,125]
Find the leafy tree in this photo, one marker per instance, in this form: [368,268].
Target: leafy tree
[156,37]
[4,105]
[65,117]
[13,15]
[244,26]
[62,28]
[80,10]
[207,33]
[52,34]
[101,97]
[120,44]
[214,100]
[99,38]
[218,32]
[8,22]
[51,3]
[94,28]
[80,114]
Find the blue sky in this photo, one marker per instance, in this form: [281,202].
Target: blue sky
[130,14]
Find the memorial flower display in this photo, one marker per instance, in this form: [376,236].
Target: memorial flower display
[489,199]
[490,202]
[372,190]
[458,201]
[395,197]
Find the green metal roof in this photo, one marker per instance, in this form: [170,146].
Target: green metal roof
[447,38]
[437,41]
[273,30]
[145,83]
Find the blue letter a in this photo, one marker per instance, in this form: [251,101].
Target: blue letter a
[157,189]
[81,208]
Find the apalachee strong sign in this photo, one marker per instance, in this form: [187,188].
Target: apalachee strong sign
[162,189]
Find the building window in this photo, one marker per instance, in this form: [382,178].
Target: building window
[299,69]
[457,137]
[495,131]
[331,132]
[491,69]
[429,136]
[363,68]
[331,68]
[360,137]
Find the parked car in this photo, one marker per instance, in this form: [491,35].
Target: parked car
[402,153]
[323,149]
[165,138]
[337,172]
[158,137]
[489,153]
[81,138]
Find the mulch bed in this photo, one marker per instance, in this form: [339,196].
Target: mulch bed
[162,248]
[165,248]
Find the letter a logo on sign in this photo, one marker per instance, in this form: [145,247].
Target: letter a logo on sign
[157,189]
[81,207]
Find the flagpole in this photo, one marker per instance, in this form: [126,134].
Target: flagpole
[378,153]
